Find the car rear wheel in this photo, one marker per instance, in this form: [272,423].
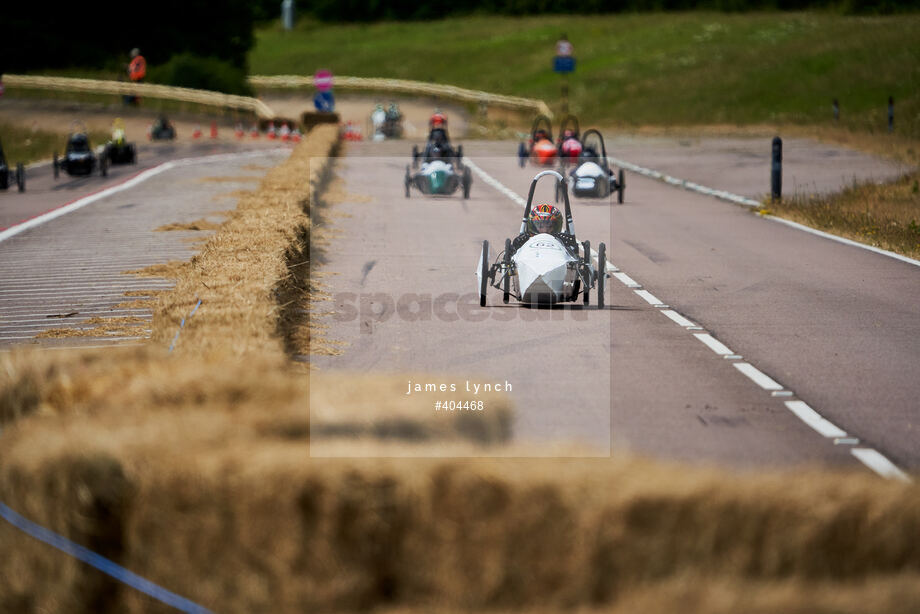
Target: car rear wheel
[415,155]
[408,180]
[56,166]
[586,297]
[621,187]
[484,274]
[467,182]
[104,165]
[506,282]
[522,155]
[601,274]
[21,177]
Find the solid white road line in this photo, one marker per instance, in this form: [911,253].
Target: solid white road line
[757,376]
[716,346]
[677,318]
[125,185]
[741,200]
[813,419]
[877,462]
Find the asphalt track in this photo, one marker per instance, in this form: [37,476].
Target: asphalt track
[67,270]
[834,325]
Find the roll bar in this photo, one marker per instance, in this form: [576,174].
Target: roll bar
[569,222]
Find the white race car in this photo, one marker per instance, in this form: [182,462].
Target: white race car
[544,268]
[593,177]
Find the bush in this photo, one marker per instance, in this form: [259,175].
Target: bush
[187,70]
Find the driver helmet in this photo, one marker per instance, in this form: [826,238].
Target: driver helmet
[545,218]
[589,154]
[438,120]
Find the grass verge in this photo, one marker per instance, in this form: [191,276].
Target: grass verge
[694,68]
[881,215]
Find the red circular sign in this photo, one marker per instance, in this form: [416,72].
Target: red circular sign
[323,80]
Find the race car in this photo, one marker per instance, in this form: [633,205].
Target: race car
[392,125]
[593,177]
[540,149]
[543,264]
[438,146]
[162,130]
[440,177]
[9,176]
[79,158]
[569,146]
[118,150]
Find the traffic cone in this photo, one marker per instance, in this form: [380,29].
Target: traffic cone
[239,131]
[213,130]
[296,135]
[196,133]
[285,132]
[254,133]
[271,131]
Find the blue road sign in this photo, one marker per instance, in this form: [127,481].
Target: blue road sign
[324,101]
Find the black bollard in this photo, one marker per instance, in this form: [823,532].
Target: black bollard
[891,114]
[836,110]
[776,173]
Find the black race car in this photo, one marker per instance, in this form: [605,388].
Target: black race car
[78,158]
[9,176]
[118,150]
[162,130]
[438,146]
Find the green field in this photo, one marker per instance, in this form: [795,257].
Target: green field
[641,69]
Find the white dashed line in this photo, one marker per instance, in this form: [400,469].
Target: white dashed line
[877,462]
[757,376]
[648,297]
[868,456]
[713,344]
[813,419]
[677,318]
[627,281]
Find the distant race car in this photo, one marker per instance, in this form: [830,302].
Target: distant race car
[539,149]
[593,177]
[162,130]
[569,145]
[440,177]
[543,264]
[78,158]
[118,150]
[438,146]
[9,176]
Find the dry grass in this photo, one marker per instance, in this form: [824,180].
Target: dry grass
[882,215]
[194,469]
[199,224]
[231,179]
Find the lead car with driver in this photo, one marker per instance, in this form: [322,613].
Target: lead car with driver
[544,264]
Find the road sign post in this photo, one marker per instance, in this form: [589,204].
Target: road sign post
[776,172]
[564,63]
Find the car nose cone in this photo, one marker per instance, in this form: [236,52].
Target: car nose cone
[542,265]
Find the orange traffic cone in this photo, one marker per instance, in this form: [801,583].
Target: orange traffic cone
[213,130]
[295,135]
[254,133]
[196,133]
[271,131]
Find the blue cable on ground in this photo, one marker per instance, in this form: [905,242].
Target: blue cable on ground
[182,324]
[100,562]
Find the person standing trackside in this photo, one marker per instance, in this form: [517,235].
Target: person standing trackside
[137,70]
